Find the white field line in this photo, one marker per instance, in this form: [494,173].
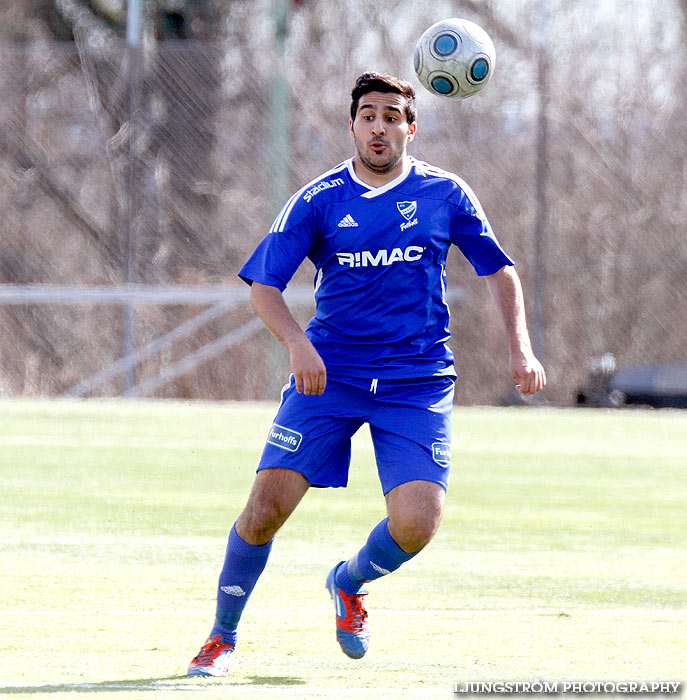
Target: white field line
[113,539]
[108,686]
[128,540]
[360,442]
[152,443]
[271,612]
[143,443]
[213,542]
[297,690]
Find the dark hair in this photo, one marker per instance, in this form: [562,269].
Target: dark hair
[376,82]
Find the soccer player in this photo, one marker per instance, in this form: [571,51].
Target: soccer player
[378,228]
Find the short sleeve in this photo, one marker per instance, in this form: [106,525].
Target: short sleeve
[471,232]
[284,248]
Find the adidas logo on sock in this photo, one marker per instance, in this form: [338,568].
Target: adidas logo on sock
[348,220]
[379,569]
[233,590]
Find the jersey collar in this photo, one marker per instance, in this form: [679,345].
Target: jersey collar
[376,191]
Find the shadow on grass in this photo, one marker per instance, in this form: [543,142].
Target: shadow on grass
[103,686]
[142,684]
[275,680]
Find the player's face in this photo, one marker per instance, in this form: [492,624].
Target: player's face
[381,133]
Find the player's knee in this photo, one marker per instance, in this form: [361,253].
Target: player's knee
[414,531]
[275,494]
[261,519]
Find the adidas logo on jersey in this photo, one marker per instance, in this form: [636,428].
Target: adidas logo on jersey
[348,220]
[367,258]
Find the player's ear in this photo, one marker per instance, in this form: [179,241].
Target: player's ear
[412,128]
[350,125]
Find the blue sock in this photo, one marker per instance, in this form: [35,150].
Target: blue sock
[379,557]
[243,565]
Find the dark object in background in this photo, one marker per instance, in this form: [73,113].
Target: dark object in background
[596,392]
[661,386]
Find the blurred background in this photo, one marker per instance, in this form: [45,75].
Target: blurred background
[145,149]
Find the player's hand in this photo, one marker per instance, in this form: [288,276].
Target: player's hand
[307,367]
[528,372]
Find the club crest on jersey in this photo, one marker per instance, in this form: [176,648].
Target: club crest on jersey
[408,211]
[441,453]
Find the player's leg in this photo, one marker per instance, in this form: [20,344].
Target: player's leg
[274,496]
[414,509]
[414,513]
[308,444]
[411,430]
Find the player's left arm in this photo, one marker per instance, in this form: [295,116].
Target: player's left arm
[525,368]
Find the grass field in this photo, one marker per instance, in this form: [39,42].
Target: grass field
[562,555]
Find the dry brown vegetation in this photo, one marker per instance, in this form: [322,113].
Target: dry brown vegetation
[186,187]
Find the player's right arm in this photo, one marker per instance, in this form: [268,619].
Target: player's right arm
[306,364]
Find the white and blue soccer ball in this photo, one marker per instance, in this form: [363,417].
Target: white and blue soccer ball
[454,58]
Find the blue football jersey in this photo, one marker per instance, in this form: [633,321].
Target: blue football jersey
[380,255]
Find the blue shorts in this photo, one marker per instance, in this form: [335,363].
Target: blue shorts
[410,424]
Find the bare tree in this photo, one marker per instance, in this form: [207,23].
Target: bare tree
[211,145]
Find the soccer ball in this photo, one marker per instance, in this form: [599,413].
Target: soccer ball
[454,58]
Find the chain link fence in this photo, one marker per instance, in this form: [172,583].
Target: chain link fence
[165,165]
